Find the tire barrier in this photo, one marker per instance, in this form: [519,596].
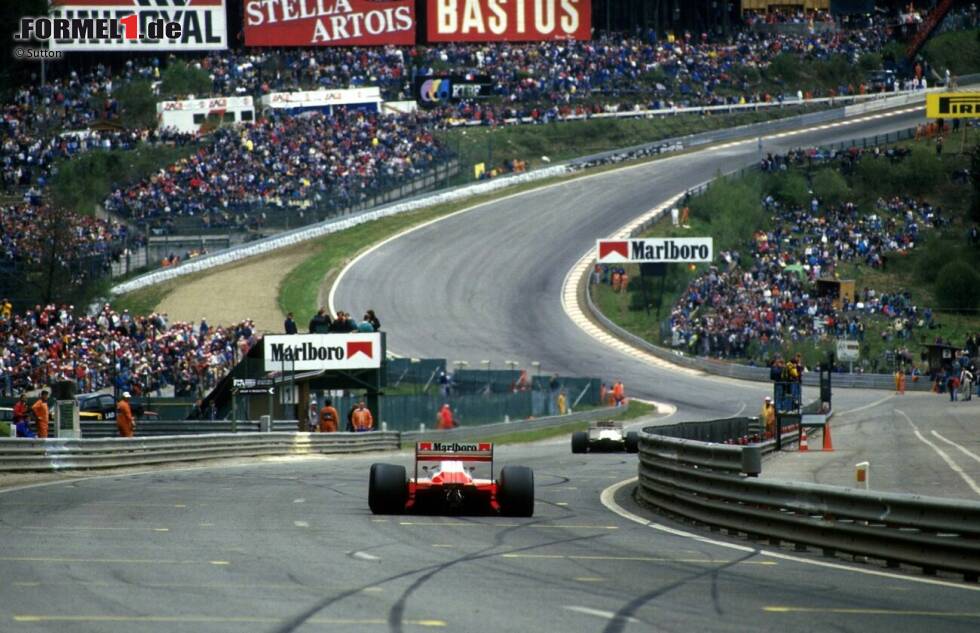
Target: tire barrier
[18,455]
[716,484]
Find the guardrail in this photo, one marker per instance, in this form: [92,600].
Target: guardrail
[68,454]
[492,431]
[463,192]
[145,428]
[716,485]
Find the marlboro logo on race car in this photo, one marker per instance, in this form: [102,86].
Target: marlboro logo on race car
[482,451]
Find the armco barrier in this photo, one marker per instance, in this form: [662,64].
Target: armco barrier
[463,192]
[706,482]
[144,428]
[54,454]
[491,431]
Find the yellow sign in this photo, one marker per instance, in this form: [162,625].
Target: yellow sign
[953,105]
[478,170]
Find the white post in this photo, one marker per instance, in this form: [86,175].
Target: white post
[862,474]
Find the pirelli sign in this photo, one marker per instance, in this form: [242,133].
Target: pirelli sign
[953,105]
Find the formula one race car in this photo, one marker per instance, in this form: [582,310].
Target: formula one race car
[449,484]
[605,435]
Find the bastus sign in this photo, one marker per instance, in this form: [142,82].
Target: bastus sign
[203,24]
[305,352]
[329,22]
[508,20]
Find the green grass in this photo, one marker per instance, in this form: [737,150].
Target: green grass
[634,411]
[5,429]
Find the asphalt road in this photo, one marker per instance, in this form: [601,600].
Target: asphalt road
[291,546]
[486,284]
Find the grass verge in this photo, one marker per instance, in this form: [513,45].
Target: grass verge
[634,411]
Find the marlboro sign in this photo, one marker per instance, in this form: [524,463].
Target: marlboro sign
[670,250]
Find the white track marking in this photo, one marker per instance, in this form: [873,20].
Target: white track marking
[867,406]
[946,458]
[608,615]
[569,293]
[301,524]
[608,499]
[331,296]
[365,556]
[961,449]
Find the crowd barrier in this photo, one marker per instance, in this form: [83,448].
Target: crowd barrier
[463,192]
[22,454]
[69,454]
[716,484]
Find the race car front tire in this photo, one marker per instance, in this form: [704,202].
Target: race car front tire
[387,489]
[515,491]
[632,442]
[580,442]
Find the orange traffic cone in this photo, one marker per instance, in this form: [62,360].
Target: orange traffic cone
[803,445]
[827,444]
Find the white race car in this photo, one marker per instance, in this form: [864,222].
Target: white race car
[605,435]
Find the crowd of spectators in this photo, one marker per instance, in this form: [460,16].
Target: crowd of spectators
[280,162]
[139,354]
[26,229]
[769,295]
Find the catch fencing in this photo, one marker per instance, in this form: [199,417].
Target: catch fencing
[717,484]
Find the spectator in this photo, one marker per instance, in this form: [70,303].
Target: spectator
[289,325]
[320,323]
[372,318]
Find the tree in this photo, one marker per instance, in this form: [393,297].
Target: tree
[137,104]
[830,186]
[958,287]
[180,79]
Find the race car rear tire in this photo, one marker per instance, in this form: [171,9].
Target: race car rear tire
[387,489]
[632,442]
[580,442]
[515,491]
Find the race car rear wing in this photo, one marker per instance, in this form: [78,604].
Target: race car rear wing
[435,451]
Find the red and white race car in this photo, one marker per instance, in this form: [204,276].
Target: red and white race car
[448,482]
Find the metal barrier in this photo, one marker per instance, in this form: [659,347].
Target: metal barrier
[144,428]
[706,482]
[491,431]
[53,455]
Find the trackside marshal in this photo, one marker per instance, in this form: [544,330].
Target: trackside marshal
[305,352]
[670,250]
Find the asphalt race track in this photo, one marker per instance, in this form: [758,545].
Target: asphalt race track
[290,545]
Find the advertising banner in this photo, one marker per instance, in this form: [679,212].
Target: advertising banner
[305,352]
[435,91]
[329,22]
[671,250]
[171,25]
[508,20]
[953,105]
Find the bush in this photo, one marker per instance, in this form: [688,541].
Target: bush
[791,188]
[180,79]
[921,173]
[830,186]
[785,67]
[875,176]
[958,287]
[958,51]
[137,104]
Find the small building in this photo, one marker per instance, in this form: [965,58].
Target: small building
[190,115]
[837,289]
[366,99]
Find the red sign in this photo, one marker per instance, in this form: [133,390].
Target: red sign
[329,22]
[620,248]
[360,347]
[508,20]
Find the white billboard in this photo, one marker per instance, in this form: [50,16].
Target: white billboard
[321,99]
[189,115]
[201,24]
[669,250]
[305,352]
